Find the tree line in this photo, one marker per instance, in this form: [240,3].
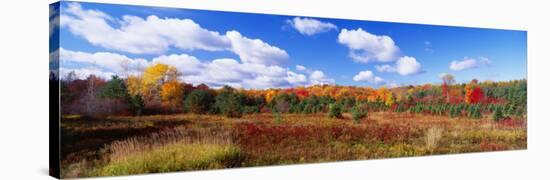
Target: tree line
[158,90]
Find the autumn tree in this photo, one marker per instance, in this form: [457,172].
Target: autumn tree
[153,78]
[389,99]
[448,80]
[133,84]
[270,95]
[473,93]
[172,94]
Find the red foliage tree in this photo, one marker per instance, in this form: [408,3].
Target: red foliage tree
[476,96]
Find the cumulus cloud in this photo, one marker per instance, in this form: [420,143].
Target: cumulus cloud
[404,66]
[221,72]
[369,77]
[255,50]
[260,65]
[319,77]
[105,60]
[215,73]
[309,26]
[98,28]
[301,68]
[190,64]
[469,63]
[295,78]
[385,68]
[364,46]
[54,19]
[442,75]
[83,73]
[408,66]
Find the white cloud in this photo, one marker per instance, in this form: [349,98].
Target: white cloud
[83,73]
[295,78]
[54,57]
[54,20]
[369,77]
[309,26]
[105,60]
[301,68]
[255,50]
[160,33]
[378,80]
[215,73]
[408,66]
[393,85]
[260,65]
[364,46]
[404,66]
[385,68]
[187,65]
[318,77]
[469,63]
[363,76]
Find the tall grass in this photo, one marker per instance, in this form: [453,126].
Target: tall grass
[180,134]
[176,149]
[174,157]
[432,137]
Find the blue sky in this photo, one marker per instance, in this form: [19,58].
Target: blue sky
[263,51]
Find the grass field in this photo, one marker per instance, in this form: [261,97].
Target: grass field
[148,144]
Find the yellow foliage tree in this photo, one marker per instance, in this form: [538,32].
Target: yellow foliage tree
[133,84]
[382,93]
[154,77]
[342,93]
[468,94]
[270,95]
[389,99]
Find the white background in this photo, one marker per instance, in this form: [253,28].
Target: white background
[24,91]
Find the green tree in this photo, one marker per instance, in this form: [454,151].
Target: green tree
[116,95]
[114,89]
[474,112]
[358,113]
[229,102]
[335,110]
[137,104]
[498,114]
[198,101]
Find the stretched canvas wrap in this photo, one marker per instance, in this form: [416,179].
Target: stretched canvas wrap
[137,89]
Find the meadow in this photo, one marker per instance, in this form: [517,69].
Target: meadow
[156,123]
[124,145]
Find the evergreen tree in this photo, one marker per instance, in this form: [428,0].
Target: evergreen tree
[335,110]
[498,114]
[358,113]
[199,101]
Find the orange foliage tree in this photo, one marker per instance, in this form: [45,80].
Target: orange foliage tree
[172,94]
